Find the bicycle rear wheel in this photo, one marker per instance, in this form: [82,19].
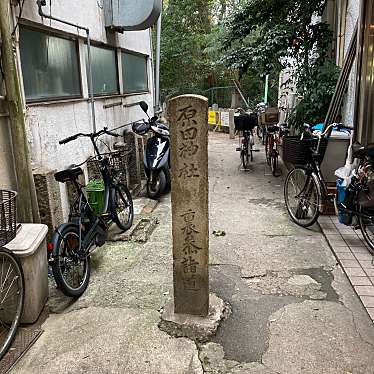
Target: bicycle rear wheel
[302,197]
[12,295]
[245,158]
[70,270]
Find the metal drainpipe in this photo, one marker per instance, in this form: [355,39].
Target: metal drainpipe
[158,59]
[91,92]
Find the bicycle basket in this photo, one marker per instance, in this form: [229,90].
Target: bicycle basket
[245,122]
[118,161]
[8,216]
[299,152]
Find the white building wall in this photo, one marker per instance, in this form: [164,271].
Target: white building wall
[352,14]
[49,122]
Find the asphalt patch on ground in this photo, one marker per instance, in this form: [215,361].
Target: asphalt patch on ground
[244,335]
[325,278]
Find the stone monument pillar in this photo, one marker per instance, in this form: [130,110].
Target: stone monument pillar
[188,117]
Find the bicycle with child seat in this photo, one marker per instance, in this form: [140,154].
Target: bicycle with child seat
[12,295]
[305,189]
[74,241]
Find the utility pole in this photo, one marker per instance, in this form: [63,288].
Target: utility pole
[27,205]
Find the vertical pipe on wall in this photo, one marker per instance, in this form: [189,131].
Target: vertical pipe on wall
[91,88]
[158,61]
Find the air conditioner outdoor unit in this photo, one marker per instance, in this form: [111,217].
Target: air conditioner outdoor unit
[131,15]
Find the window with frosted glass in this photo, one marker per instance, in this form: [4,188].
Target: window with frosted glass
[104,70]
[135,77]
[49,66]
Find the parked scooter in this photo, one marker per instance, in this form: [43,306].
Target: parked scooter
[156,155]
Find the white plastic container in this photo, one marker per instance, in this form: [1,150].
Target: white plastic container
[30,247]
[335,156]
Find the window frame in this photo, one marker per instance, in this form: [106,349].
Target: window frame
[138,54]
[61,35]
[104,46]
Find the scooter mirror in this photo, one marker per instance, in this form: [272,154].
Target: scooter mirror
[144,106]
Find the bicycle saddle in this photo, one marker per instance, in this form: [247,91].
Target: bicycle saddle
[68,174]
[359,151]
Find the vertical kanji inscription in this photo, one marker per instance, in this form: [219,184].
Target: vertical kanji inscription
[188,117]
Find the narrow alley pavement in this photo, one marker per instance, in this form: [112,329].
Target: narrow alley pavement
[293,309]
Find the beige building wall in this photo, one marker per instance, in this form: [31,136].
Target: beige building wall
[52,120]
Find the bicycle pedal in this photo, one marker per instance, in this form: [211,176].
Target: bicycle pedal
[238,149]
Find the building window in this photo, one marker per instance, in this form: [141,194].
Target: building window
[50,66]
[135,76]
[104,70]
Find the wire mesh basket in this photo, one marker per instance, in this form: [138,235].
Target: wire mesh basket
[300,152]
[8,216]
[118,161]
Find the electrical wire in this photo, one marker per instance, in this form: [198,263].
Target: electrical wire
[19,15]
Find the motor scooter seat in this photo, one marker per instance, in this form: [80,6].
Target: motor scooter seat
[162,126]
[68,174]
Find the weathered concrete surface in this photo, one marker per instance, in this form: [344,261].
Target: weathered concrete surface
[267,267]
[293,309]
[106,340]
[196,328]
[317,343]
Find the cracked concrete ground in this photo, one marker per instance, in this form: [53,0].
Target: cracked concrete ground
[293,309]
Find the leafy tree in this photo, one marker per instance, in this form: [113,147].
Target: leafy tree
[186,25]
[266,36]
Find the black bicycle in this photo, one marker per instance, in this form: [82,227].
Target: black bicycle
[305,190]
[73,242]
[246,148]
[12,295]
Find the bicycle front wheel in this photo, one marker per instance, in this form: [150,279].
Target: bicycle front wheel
[12,295]
[122,207]
[268,148]
[302,197]
[274,163]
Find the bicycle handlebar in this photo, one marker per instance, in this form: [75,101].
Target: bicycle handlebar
[92,136]
[339,127]
[69,139]
[112,134]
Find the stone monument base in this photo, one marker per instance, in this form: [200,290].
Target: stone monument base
[194,327]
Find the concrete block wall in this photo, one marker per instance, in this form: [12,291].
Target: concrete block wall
[49,199]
